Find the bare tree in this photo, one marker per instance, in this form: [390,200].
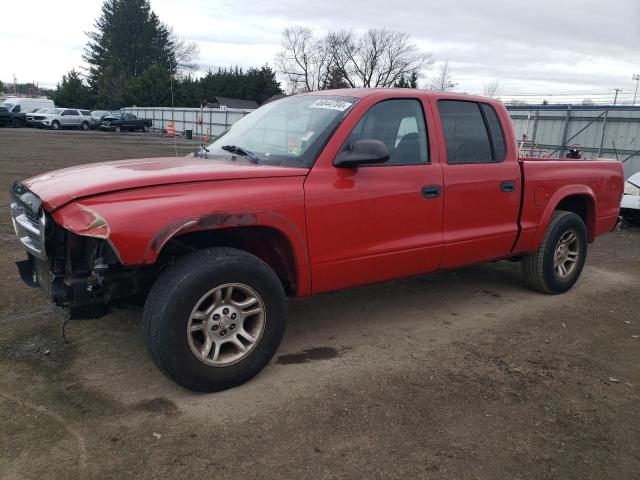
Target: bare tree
[186,53]
[443,81]
[492,90]
[587,101]
[378,58]
[303,59]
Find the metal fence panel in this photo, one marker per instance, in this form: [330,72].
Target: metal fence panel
[201,121]
[546,126]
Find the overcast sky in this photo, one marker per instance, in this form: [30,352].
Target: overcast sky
[539,46]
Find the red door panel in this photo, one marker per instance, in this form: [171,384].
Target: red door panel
[372,223]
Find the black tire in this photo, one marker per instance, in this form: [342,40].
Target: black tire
[176,293]
[55,125]
[538,268]
[16,123]
[118,128]
[84,126]
[145,128]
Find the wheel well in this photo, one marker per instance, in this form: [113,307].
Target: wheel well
[581,205]
[268,244]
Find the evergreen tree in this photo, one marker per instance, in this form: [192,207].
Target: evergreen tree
[413,80]
[72,92]
[130,34]
[111,87]
[151,88]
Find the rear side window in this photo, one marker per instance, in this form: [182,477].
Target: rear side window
[465,132]
[495,130]
[85,112]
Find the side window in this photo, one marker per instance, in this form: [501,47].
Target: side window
[16,109]
[400,125]
[495,130]
[70,112]
[465,132]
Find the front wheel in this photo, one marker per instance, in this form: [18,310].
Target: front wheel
[556,266]
[118,128]
[214,319]
[55,125]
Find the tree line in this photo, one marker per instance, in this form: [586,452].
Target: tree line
[135,59]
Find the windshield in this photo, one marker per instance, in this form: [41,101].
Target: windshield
[56,111]
[287,132]
[8,106]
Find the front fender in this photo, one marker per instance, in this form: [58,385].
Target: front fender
[138,223]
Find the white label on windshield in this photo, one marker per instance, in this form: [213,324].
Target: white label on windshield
[339,105]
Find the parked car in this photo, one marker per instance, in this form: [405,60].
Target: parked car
[8,118]
[311,193]
[630,205]
[26,105]
[66,118]
[37,116]
[97,116]
[118,122]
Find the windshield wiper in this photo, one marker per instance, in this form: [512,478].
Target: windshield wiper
[241,151]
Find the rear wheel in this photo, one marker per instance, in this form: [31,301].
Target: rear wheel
[556,265]
[214,319]
[84,126]
[16,123]
[145,128]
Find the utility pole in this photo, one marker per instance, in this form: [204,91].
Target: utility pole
[604,124]
[615,99]
[635,77]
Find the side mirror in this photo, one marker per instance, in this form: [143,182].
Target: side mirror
[362,152]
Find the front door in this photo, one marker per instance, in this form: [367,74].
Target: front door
[382,221]
[481,184]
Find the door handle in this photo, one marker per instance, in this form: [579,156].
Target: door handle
[508,186]
[431,191]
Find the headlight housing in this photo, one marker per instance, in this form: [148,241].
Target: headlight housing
[631,189]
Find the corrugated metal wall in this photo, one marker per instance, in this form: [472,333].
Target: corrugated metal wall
[552,129]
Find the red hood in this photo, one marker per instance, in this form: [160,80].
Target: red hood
[61,186]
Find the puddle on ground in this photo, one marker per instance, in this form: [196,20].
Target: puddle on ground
[317,353]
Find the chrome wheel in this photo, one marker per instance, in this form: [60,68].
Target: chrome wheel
[567,254]
[226,324]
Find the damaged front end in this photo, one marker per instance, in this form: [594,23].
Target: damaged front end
[79,271]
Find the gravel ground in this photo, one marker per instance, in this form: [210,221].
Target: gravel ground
[461,374]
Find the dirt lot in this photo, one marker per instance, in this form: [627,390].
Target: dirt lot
[458,375]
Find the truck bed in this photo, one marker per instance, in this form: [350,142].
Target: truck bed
[545,183]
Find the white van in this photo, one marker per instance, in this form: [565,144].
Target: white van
[26,105]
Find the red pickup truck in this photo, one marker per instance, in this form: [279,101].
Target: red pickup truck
[311,193]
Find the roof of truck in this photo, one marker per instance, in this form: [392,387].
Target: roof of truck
[396,92]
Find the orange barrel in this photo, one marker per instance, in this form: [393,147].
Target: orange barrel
[170,131]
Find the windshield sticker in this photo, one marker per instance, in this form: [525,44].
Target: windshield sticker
[329,104]
[307,136]
[294,146]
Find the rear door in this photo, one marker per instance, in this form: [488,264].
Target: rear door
[481,184]
[70,118]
